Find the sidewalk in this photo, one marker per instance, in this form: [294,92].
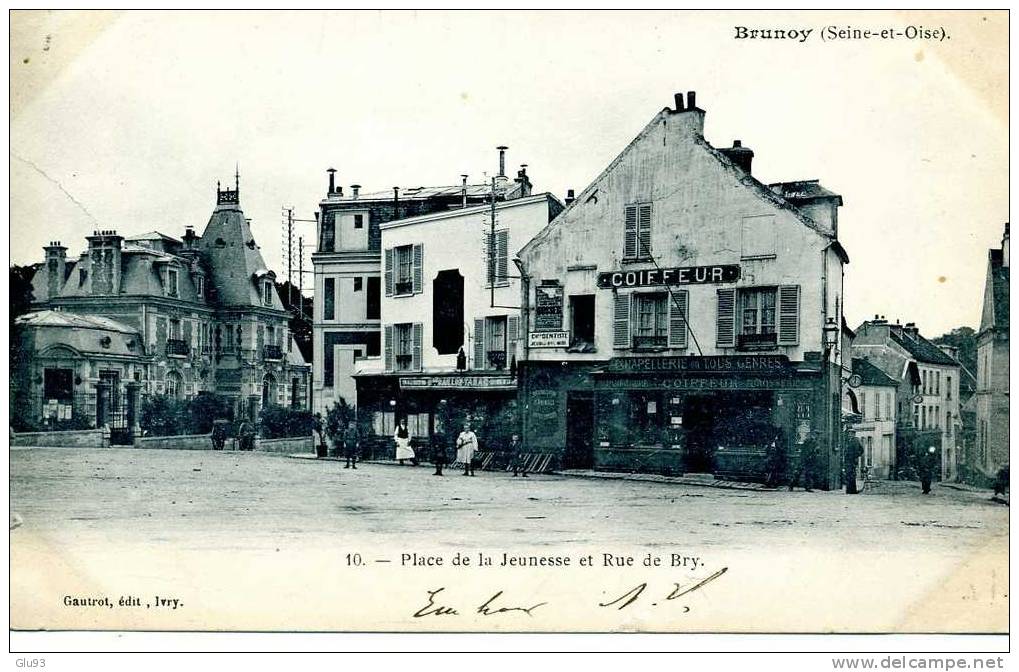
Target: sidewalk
[705,480]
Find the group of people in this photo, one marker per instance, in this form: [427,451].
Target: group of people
[245,435]
[805,472]
[466,451]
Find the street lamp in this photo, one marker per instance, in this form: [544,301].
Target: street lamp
[829,336]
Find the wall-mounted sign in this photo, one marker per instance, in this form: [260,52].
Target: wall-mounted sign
[690,275]
[457,382]
[707,364]
[548,339]
[548,307]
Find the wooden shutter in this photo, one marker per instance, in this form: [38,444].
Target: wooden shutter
[389,347]
[788,314]
[644,230]
[416,346]
[679,312]
[630,233]
[726,319]
[621,318]
[501,255]
[388,270]
[512,327]
[419,253]
[479,345]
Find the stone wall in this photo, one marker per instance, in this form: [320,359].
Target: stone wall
[87,438]
[287,446]
[183,442]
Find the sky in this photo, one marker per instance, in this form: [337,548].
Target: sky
[126,121]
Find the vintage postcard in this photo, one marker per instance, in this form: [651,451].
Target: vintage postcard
[391,321]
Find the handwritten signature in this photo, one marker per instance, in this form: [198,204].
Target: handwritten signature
[437,605]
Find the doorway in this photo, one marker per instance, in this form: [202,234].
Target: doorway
[579,431]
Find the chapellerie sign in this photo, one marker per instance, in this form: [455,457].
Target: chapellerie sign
[689,275]
[707,364]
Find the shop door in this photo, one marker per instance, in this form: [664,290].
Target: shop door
[699,422]
[579,431]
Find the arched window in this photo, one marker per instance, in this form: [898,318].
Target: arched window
[174,385]
[268,390]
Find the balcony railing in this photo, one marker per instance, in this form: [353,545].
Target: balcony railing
[650,342]
[404,287]
[272,352]
[756,341]
[176,347]
[404,362]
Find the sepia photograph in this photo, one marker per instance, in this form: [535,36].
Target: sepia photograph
[505,321]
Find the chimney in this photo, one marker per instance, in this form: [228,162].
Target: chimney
[691,100]
[740,155]
[502,160]
[355,190]
[679,102]
[56,268]
[911,330]
[949,350]
[332,181]
[1004,247]
[104,261]
[523,180]
[396,202]
[189,237]
[463,191]
[879,319]
[570,197]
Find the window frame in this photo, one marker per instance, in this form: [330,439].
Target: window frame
[403,260]
[403,346]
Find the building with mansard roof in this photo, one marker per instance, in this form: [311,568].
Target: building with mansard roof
[196,314]
[681,316]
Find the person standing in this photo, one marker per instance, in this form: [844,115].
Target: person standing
[806,470]
[927,466]
[517,457]
[466,447]
[439,453]
[854,449]
[351,446]
[777,459]
[402,438]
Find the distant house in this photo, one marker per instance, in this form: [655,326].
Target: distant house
[875,428]
[991,449]
[152,314]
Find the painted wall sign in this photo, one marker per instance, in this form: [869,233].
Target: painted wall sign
[705,384]
[690,275]
[548,339]
[457,382]
[548,307]
[708,364]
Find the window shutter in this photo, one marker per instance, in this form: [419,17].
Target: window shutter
[419,253]
[416,360]
[621,338]
[479,345]
[501,255]
[788,314]
[389,347]
[630,233]
[679,312]
[389,271]
[644,230]
[726,320]
[512,325]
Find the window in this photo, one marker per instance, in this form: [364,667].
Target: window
[329,301]
[757,311]
[175,329]
[328,242]
[863,404]
[495,346]
[937,382]
[948,388]
[925,381]
[373,301]
[171,282]
[384,424]
[358,221]
[403,346]
[267,293]
[637,232]
[652,327]
[497,257]
[888,406]
[357,283]
[868,443]
[582,320]
[174,385]
[200,285]
[404,269]
[417,424]
[82,274]
[58,384]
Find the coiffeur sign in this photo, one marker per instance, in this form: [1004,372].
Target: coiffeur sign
[689,275]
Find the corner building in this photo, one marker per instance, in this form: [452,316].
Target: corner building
[680,312]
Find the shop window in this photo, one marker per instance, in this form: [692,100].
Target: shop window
[384,423]
[58,384]
[646,417]
[403,346]
[329,300]
[495,342]
[417,424]
[582,320]
[652,324]
[637,232]
[373,301]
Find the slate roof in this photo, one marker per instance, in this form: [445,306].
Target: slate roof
[999,280]
[425,193]
[870,374]
[59,318]
[921,349]
[803,190]
[234,259]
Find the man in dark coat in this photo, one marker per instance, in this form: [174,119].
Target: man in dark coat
[928,463]
[218,435]
[853,451]
[518,459]
[351,446]
[1001,481]
[776,457]
[439,453]
[806,470]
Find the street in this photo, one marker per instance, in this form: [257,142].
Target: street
[232,529]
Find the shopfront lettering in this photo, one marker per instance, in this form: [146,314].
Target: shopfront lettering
[457,382]
[711,363]
[689,275]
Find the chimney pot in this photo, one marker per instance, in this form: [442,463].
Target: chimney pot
[679,102]
[332,180]
[569,196]
[502,160]
[691,100]
[355,190]
[737,143]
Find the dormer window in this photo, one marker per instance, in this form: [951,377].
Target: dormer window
[267,293]
[200,285]
[171,282]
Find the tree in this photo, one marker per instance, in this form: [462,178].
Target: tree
[163,415]
[206,408]
[337,425]
[279,422]
[965,339]
[21,298]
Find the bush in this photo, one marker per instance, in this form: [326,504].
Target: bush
[205,409]
[278,422]
[337,424]
[164,416]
